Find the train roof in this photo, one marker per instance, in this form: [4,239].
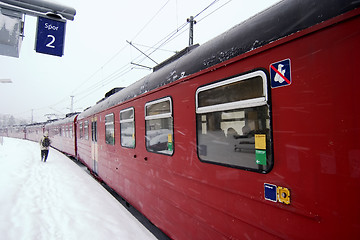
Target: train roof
[66,120]
[282,19]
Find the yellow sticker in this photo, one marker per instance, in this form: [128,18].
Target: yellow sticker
[283,195]
[260,141]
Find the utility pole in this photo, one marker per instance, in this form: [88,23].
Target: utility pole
[32,115]
[191,30]
[72,104]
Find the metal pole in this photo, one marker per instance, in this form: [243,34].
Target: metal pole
[191,30]
[72,104]
[141,52]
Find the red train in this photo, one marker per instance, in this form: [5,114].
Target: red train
[252,135]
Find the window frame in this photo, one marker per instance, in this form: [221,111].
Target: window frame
[255,102]
[86,130]
[127,121]
[160,116]
[113,125]
[70,131]
[241,104]
[81,130]
[94,131]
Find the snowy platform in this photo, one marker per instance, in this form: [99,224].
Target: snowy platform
[57,199]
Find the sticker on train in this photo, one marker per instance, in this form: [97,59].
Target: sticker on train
[260,149]
[280,73]
[270,192]
[275,193]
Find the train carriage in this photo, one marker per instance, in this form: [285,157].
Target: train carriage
[86,135]
[17,131]
[62,133]
[34,132]
[252,135]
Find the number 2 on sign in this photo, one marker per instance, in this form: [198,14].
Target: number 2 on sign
[51,42]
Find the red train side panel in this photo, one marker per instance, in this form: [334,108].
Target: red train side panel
[315,148]
[304,182]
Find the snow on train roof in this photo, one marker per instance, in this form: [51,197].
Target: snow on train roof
[282,19]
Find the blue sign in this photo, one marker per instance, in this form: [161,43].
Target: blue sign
[280,73]
[270,192]
[50,36]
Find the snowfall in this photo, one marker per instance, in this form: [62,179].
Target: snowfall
[57,199]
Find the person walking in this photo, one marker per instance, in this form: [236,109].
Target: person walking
[44,146]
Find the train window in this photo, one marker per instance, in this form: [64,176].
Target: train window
[159,126]
[70,132]
[233,123]
[86,130]
[81,130]
[127,128]
[109,129]
[94,131]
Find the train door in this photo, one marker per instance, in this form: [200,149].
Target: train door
[75,135]
[94,145]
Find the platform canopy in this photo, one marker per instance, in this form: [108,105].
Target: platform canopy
[38,7]
[12,20]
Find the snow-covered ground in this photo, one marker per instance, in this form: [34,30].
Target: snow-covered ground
[56,199]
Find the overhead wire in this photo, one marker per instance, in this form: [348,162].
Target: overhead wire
[206,8]
[125,68]
[157,13]
[115,55]
[214,11]
[177,32]
[124,47]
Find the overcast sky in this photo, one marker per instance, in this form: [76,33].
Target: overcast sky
[97,57]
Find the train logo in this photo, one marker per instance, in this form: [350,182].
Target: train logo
[280,73]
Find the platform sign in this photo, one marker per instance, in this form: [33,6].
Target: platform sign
[280,73]
[50,36]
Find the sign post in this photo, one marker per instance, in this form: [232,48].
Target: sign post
[50,36]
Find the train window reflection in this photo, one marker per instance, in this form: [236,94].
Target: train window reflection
[109,129]
[94,130]
[232,129]
[251,88]
[86,130]
[159,126]
[127,128]
[70,131]
[81,130]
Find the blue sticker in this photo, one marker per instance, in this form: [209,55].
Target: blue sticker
[280,73]
[270,192]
